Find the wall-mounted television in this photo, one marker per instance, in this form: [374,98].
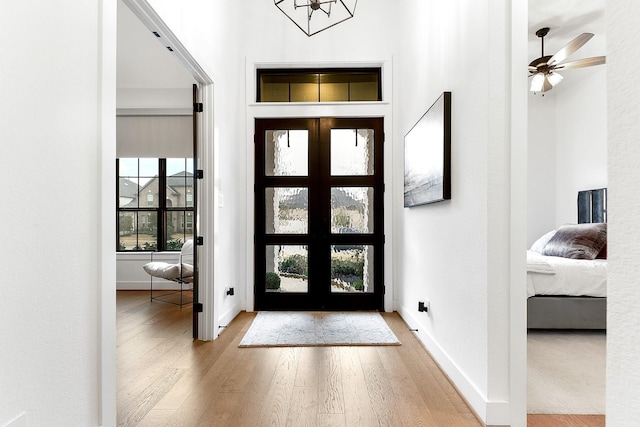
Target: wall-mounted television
[427,156]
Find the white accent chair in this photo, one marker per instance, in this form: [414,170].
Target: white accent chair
[180,272]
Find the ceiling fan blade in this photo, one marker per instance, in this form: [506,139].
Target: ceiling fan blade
[570,48]
[580,63]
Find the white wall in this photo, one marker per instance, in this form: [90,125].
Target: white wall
[455,253]
[581,138]
[541,170]
[623,316]
[50,132]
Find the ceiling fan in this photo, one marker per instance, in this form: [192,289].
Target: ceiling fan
[543,69]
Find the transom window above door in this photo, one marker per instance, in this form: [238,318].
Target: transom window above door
[319,85]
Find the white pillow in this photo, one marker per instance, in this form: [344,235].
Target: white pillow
[167,271]
[539,244]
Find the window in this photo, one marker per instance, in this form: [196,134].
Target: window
[319,85]
[155,203]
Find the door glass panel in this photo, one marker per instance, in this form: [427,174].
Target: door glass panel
[352,268]
[287,210]
[287,269]
[287,153]
[351,210]
[352,152]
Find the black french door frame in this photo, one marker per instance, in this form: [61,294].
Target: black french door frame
[319,239]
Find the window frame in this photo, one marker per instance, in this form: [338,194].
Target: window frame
[162,208]
[297,72]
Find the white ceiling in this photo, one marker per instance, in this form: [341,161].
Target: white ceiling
[142,61]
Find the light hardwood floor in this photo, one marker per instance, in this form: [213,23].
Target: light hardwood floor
[166,378]
[565,420]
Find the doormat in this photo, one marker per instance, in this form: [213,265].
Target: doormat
[304,328]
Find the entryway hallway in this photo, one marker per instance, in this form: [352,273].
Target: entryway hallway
[165,378]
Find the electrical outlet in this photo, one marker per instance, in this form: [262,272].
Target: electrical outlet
[424,306]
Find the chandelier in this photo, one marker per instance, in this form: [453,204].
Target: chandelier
[313,16]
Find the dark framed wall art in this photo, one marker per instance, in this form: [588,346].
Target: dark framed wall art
[427,156]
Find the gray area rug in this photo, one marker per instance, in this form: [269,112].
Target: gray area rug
[293,328]
[566,372]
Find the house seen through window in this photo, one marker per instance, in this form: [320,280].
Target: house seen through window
[155,203]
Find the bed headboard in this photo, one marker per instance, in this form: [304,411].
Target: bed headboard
[592,206]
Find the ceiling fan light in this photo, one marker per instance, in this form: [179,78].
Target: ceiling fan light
[554,78]
[537,82]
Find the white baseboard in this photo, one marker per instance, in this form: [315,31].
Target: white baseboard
[491,412]
[161,285]
[227,317]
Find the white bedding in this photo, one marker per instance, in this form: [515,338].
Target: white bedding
[548,275]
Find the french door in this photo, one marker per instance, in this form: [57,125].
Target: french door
[319,242]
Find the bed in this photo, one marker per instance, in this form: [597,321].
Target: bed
[567,271]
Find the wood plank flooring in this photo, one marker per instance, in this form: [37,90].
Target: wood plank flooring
[164,378]
[565,420]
